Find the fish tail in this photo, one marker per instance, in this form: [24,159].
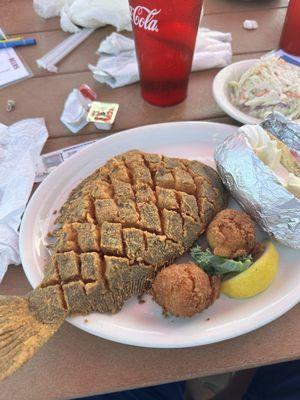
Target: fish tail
[22,332]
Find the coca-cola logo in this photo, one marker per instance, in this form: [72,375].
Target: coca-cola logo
[145,18]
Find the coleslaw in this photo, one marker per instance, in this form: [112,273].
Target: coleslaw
[272,84]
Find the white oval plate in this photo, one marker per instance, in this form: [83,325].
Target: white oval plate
[143,324]
[221,92]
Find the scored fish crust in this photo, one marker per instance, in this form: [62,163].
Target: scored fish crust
[121,225]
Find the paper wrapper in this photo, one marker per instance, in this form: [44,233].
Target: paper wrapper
[258,190]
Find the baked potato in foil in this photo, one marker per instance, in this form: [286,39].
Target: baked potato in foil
[262,174]
[284,129]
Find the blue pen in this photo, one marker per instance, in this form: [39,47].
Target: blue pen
[18,43]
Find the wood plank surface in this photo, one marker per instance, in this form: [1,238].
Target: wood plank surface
[230,6]
[261,40]
[18,16]
[265,38]
[47,96]
[75,364]
[47,93]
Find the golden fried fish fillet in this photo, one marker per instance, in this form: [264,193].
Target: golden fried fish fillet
[118,228]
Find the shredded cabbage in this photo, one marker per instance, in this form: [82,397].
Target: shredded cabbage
[269,85]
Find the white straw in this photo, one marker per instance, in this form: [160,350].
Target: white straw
[49,60]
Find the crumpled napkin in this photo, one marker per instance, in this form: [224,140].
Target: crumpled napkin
[20,148]
[86,13]
[117,65]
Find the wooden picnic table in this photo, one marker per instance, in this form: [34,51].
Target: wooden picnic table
[73,363]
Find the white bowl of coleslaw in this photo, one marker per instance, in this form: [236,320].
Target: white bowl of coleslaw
[221,90]
[249,90]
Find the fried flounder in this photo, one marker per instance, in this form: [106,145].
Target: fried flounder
[118,228]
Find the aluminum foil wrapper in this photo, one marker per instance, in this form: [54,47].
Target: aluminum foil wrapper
[258,191]
[284,129]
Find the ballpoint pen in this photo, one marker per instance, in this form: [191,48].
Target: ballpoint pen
[17,43]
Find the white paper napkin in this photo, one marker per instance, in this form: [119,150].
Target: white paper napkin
[20,147]
[86,13]
[117,65]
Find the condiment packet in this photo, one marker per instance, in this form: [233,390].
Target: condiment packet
[74,115]
[49,161]
[103,114]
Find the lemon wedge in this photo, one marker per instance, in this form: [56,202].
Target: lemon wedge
[256,278]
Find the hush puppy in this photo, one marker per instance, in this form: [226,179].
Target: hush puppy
[184,290]
[231,234]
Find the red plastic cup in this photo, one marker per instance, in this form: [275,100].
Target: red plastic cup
[290,37]
[165,33]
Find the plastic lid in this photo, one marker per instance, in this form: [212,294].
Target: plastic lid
[87,92]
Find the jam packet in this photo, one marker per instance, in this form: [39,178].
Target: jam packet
[103,114]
